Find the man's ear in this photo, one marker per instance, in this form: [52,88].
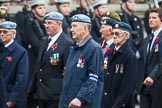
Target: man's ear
[127,35]
[13,33]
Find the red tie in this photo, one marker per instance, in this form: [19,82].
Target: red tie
[104,44]
[114,52]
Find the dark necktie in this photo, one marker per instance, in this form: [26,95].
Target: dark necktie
[45,48]
[150,42]
[104,44]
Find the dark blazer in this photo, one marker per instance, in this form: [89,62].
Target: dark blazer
[49,76]
[3,96]
[158,87]
[120,78]
[151,64]
[15,73]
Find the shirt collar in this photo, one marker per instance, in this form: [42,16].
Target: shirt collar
[157,31]
[109,42]
[9,43]
[83,41]
[55,36]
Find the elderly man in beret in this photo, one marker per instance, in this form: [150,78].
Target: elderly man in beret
[15,66]
[106,31]
[121,72]
[83,80]
[51,62]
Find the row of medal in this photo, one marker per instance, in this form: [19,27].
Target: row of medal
[81,61]
[54,59]
[119,68]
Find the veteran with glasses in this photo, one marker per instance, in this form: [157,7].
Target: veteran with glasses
[51,62]
[15,66]
[122,68]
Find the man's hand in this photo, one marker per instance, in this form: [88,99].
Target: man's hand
[10,104]
[148,81]
[75,103]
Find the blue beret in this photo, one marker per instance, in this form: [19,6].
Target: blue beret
[80,18]
[108,21]
[8,25]
[122,26]
[54,16]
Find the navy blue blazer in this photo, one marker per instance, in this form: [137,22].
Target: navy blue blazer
[120,78]
[158,87]
[3,96]
[150,62]
[47,82]
[15,73]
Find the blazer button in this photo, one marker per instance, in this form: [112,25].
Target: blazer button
[40,80]
[105,93]
[40,70]
[29,46]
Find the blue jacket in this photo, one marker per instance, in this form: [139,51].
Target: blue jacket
[120,78]
[15,73]
[84,75]
[3,97]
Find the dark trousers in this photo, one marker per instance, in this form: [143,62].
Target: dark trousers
[145,100]
[32,103]
[156,103]
[48,104]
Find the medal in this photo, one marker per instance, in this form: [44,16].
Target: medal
[78,65]
[105,66]
[117,68]
[82,65]
[54,59]
[121,68]
[80,62]
[105,63]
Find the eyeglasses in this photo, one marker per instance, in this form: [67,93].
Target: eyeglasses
[4,31]
[49,23]
[118,34]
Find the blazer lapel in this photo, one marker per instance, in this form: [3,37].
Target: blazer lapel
[41,50]
[153,46]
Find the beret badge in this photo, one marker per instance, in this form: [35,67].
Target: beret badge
[116,25]
[108,13]
[75,18]
[104,22]
[3,11]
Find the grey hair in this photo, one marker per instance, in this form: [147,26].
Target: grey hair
[13,30]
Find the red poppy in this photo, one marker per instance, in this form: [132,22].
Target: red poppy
[107,51]
[9,58]
[54,46]
[80,57]
[157,39]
